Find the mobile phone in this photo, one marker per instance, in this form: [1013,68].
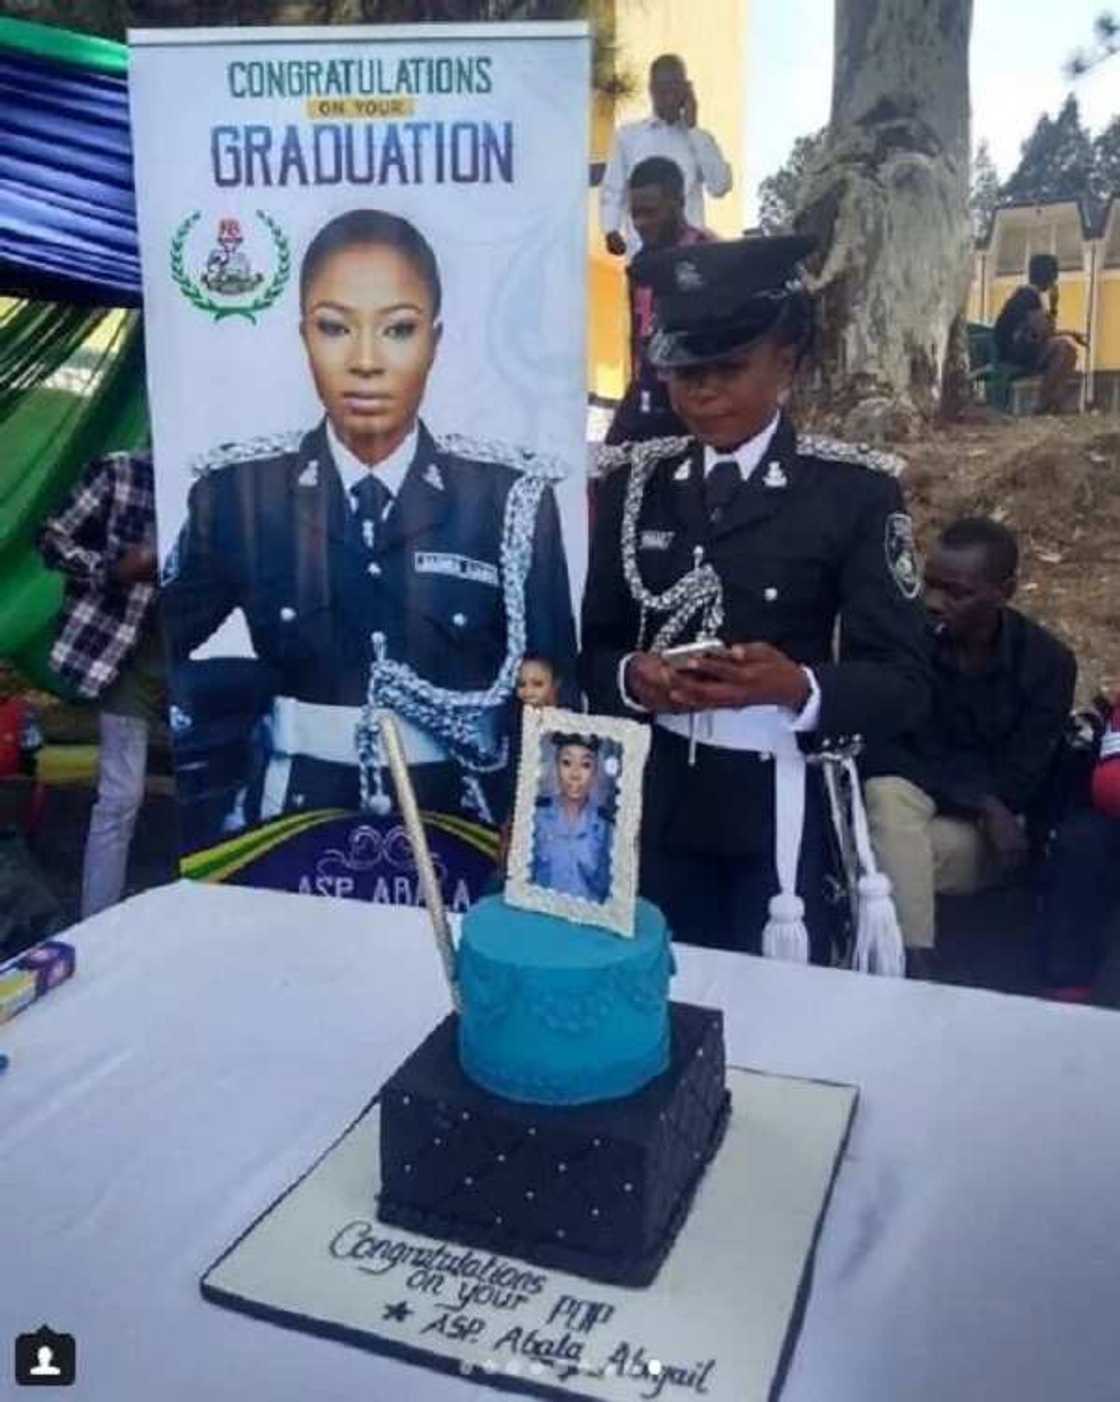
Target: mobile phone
[678,656]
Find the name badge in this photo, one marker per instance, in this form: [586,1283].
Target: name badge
[657,540]
[456,566]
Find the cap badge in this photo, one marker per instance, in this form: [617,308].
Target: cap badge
[775,477]
[689,276]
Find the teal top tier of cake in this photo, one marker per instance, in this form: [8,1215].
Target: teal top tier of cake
[562,1014]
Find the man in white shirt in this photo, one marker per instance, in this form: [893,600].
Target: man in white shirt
[671,131]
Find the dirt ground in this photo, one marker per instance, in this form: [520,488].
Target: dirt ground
[1056,483]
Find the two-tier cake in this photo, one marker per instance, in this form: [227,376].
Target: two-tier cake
[567,1114]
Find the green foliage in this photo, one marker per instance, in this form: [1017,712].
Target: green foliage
[779,193]
[1106,162]
[1061,161]
[984,195]
[1106,42]
[1056,162]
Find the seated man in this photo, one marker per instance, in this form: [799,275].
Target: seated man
[1079,910]
[946,804]
[1025,334]
[656,191]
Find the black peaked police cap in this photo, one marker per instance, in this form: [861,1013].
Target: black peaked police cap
[711,299]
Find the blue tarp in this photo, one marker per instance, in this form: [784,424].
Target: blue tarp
[67,207]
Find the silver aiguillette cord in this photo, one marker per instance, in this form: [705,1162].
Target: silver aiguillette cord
[697,561]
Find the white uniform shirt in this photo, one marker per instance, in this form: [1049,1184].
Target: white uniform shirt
[390,473]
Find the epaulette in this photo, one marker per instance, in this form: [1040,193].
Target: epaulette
[608,459]
[815,445]
[526,460]
[269,445]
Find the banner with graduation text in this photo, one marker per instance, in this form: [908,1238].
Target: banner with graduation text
[363,265]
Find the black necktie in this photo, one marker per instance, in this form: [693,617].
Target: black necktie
[720,486]
[371,499]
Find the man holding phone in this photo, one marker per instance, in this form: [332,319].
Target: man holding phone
[670,131]
[756,546]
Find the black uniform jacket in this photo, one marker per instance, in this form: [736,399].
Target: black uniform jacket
[990,733]
[274,536]
[808,541]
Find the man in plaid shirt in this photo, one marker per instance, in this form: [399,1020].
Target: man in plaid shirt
[108,646]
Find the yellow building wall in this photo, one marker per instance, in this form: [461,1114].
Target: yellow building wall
[608,353]
[715,53]
[999,290]
[975,308]
[607,336]
[1108,322]
[1071,306]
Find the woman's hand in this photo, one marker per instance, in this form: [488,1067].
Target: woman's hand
[747,674]
[648,681]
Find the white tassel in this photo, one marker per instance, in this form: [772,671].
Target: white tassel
[784,935]
[879,948]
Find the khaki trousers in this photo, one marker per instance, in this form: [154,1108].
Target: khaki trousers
[925,854]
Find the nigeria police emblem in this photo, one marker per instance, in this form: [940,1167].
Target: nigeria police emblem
[228,280]
[689,277]
[902,557]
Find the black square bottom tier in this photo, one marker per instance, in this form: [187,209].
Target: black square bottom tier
[596,1190]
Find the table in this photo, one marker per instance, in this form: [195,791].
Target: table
[215,1040]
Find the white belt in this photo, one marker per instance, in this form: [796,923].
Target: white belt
[311,730]
[327,732]
[766,731]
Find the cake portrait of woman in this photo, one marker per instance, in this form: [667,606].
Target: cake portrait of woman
[378,564]
[573,830]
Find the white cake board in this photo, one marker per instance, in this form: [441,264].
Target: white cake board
[720,1320]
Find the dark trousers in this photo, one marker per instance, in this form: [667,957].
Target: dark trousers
[1079,907]
[722,902]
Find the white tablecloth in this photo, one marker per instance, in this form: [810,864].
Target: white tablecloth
[214,1041]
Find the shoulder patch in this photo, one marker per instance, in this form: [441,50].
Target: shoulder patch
[902,557]
[645,454]
[815,445]
[268,445]
[525,460]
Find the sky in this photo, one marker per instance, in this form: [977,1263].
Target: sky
[1018,51]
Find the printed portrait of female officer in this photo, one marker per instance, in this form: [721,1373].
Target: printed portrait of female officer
[572,831]
[374,560]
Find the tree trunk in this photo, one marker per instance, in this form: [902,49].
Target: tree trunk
[887,199]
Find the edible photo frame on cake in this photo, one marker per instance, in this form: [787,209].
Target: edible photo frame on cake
[574,848]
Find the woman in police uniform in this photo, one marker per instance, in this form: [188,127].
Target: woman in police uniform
[376,564]
[571,833]
[764,541]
